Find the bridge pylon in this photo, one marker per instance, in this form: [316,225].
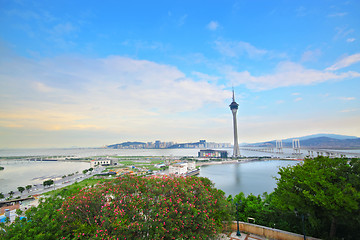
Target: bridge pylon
[296,146]
[279,146]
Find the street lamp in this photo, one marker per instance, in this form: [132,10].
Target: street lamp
[237,217]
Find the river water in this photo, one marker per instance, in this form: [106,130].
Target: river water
[254,177]
[250,177]
[22,173]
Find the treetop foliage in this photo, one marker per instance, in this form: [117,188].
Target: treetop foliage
[327,190]
[132,208]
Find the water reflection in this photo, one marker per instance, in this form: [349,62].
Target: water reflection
[237,173]
[250,177]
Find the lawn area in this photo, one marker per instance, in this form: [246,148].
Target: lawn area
[77,185]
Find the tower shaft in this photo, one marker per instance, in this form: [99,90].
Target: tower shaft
[234,107]
[236,152]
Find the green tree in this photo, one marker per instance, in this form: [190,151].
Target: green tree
[130,207]
[11,193]
[28,187]
[48,182]
[1,195]
[135,208]
[21,189]
[42,222]
[85,171]
[324,189]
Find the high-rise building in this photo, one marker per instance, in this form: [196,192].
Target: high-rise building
[234,107]
[157,144]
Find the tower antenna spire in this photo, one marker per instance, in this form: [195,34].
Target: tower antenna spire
[233,94]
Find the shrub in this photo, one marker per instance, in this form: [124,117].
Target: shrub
[152,208]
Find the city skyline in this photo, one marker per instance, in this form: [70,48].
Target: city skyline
[88,74]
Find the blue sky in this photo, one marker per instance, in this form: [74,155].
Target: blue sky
[91,73]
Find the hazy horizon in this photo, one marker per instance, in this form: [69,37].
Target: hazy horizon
[89,74]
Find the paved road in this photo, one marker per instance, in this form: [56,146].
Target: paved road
[39,188]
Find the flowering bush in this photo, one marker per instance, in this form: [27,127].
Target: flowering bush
[151,208]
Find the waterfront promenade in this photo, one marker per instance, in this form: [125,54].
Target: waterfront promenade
[59,183]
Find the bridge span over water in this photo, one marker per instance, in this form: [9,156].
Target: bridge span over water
[303,152]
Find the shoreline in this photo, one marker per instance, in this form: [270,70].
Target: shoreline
[244,161]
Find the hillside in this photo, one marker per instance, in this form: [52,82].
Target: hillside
[126,144]
[332,141]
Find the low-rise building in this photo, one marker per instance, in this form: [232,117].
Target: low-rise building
[101,162]
[209,153]
[178,168]
[160,165]
[181,168]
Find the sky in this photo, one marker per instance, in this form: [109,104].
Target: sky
[93,73]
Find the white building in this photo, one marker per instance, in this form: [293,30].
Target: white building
[100,162]
[191,166]
[181,168]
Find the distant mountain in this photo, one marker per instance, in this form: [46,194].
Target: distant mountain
[126,145]
[317,141]
[335,136]
[326,142]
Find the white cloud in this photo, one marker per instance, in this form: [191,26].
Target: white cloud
[345,62]
[298,99]
[205,77]
[338,14]
[286,74]
[115,94]
[236,49]
[350,39]
[301,11]
[213,25]
[347,98]
[41,87]
[349,110]
[182,20]
[311,56]
[255,131]
[342,32]
[295,94]
[63,28]
[25,14]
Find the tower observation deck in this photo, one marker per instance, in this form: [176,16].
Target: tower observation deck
[234,107]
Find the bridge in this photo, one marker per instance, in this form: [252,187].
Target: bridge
[296,150]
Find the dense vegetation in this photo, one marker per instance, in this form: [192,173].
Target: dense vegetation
[326,191]
[323,192]
[131,208]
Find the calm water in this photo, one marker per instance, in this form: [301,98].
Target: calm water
[90,152]
[250,177]
[22,173]
[93,152]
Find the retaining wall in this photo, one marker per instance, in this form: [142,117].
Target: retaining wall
[269,233]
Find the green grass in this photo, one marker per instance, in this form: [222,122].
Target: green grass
[126,157]
[73,188]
